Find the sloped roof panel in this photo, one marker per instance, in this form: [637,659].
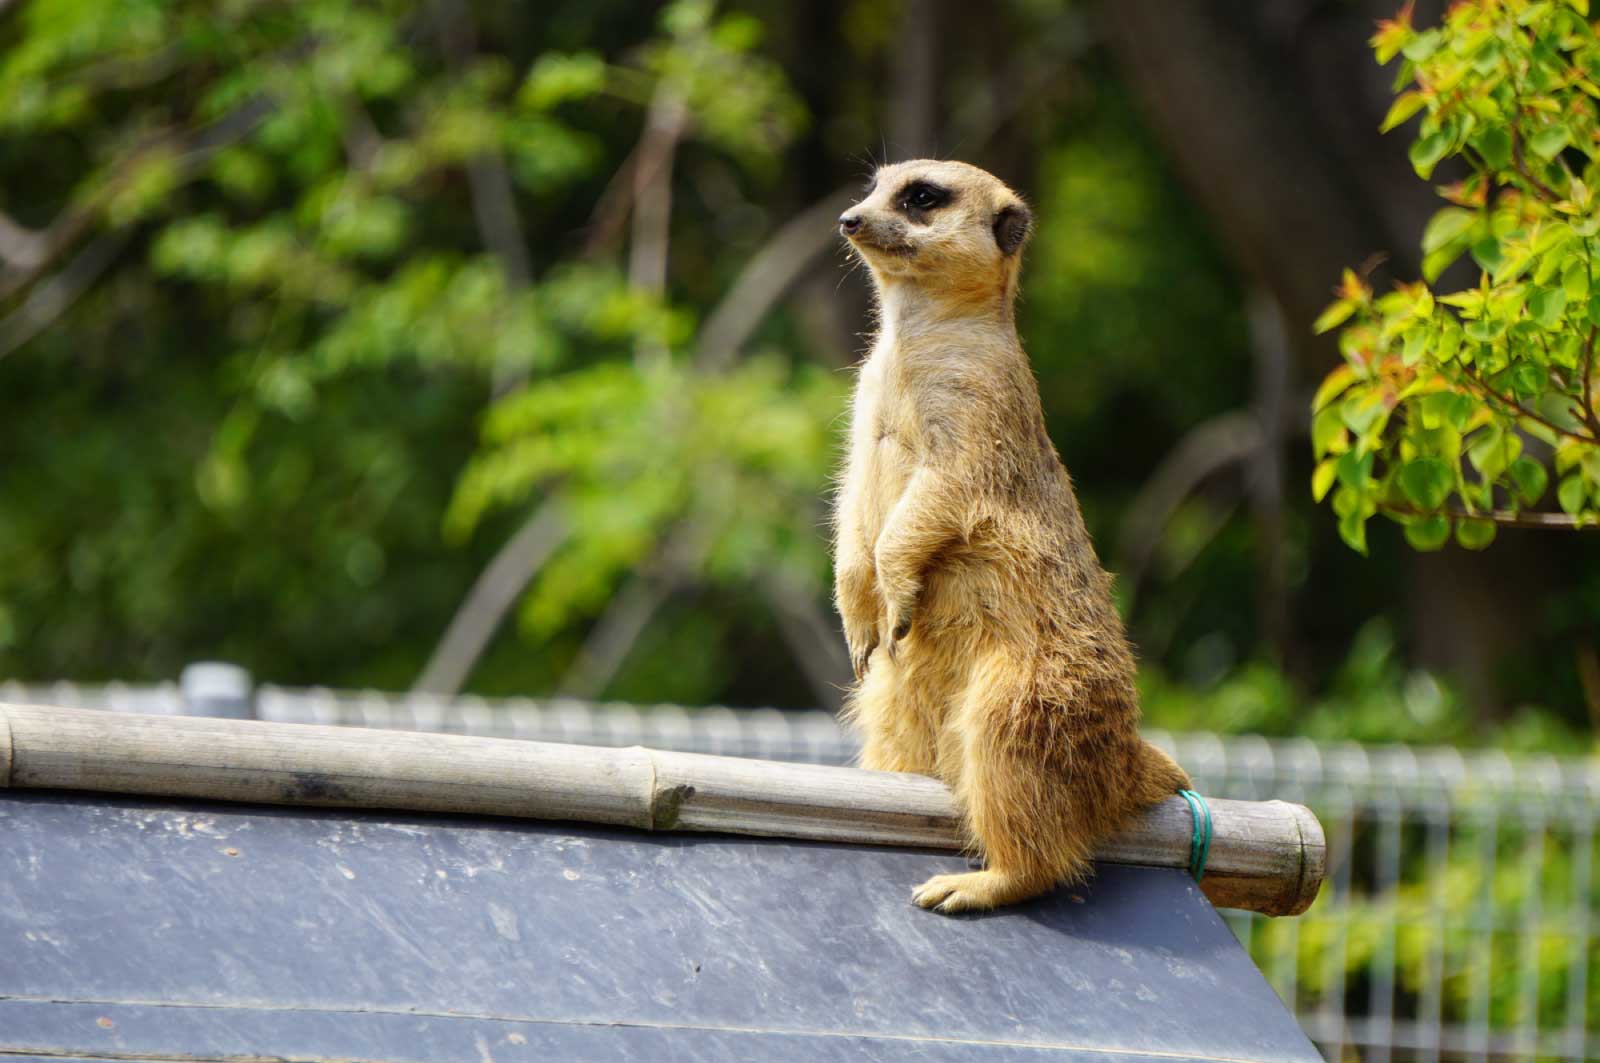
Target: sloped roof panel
[155,929]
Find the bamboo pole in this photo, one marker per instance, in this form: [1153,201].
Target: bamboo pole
[1266,856]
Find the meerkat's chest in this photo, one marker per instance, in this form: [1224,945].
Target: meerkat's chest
[883,451]
[886,422]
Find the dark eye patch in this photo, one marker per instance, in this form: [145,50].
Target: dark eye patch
[917,198]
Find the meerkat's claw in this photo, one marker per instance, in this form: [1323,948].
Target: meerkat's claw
[899,627]
[861,649]
[970,892]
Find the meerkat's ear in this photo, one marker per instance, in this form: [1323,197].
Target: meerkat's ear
[1011,227]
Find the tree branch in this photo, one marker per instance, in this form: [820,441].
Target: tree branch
[47,245]
[754,292]
[914,80]
[494,201]
[1209,448]
[649,240]
[767,276]
[1506,518]
[1521,165]
[1269,344]
[50,300]
[492,595]
[1588,392]
[22,248]
[1481,385]
[629,612]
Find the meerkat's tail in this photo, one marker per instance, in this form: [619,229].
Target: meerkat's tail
[1160,776]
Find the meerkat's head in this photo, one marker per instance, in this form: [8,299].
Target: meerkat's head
[945,226]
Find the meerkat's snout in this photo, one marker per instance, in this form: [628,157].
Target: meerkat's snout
[849,224]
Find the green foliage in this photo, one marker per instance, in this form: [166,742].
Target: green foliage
[1116,237]
[734,455]
[1457,411]
[1501,900]
[298,182]
[1372,696]
[314,386]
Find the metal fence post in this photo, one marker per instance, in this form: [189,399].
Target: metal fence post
[216,688]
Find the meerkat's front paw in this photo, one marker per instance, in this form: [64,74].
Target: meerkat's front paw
[974,891]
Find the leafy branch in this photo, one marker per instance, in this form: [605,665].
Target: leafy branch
[1428,419]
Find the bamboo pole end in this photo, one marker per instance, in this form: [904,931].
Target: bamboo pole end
[5,747]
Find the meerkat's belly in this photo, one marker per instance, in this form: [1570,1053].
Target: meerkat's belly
[965,591]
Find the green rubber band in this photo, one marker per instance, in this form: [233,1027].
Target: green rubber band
[1200,842]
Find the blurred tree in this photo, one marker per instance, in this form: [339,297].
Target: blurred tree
[334,335]
[293,183]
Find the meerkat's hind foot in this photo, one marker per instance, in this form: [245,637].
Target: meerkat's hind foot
[974,891]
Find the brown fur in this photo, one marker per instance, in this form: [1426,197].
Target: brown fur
[987,650]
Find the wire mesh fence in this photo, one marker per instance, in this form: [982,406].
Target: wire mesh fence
[1458,921]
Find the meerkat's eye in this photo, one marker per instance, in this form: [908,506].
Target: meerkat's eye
[920,195]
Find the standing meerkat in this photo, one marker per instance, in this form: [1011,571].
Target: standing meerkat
[986,647]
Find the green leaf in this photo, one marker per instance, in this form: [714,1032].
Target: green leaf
[1336,315]
[1422,45]
[1548,142]
[1436,262]
[1548,265]
[1360,412]
[1416,344]
[1449,343]
[1323,478]
[1427,482]
[556,78]
[1434,408]
[1553,236]
[1426,153]
[1488,255]
[1546,306]
[1445,226]
[1575,281]
[1353,530]
[1494,144]
[1333,385]
[1572,494]
[1474,534]
[1327,432]
[1493,451]
[1428,533]
[1354,472]
[1404,106]
[1528,380]
[1530,478]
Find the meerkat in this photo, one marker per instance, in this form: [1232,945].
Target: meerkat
[986,647]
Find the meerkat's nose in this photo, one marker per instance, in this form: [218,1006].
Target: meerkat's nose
[850,224]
